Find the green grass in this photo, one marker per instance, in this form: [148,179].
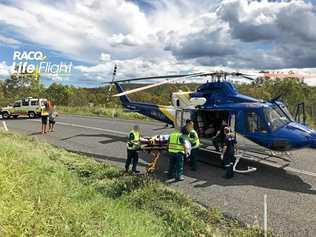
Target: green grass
[101,111]
[46,191]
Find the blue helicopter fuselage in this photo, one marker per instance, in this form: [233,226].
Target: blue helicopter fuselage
[268,124]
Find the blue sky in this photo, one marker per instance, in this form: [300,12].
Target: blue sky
[146,37]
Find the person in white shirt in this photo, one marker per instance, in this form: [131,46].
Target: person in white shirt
[51,118]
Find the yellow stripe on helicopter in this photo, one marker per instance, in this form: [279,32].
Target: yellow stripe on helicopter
[169,112]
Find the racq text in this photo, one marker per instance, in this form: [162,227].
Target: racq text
[22,64]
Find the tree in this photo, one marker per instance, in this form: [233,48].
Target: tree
[60,94]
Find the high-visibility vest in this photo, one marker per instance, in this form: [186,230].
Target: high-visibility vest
[134,144]
[44,112]
[174,145]
[194,139]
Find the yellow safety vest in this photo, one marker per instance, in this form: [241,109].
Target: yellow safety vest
[44,112]
[135,143]
[174,143]
[194,139]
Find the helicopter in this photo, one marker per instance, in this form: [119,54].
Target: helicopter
[268,124]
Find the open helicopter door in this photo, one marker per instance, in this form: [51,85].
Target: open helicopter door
[181,116]
[238,154]
[232,122]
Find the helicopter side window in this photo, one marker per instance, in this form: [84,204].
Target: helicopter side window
[285,110]
[275,118]
[178,103]
[254,123]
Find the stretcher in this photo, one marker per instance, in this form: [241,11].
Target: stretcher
[154,146]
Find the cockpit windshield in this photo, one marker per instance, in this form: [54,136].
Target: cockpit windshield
[275,117]
[285,110]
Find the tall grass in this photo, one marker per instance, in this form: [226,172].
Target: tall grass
[101,111]
[40,197]
[47,191]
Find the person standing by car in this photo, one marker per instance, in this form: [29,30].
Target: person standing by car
[51,117]
[44,116]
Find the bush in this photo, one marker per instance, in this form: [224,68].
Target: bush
[101,111]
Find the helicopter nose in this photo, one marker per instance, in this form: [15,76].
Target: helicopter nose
[313,140]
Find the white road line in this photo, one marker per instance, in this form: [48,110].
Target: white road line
[93,128]
[290,169]
[88,127]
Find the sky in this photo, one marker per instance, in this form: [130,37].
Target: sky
[158,37]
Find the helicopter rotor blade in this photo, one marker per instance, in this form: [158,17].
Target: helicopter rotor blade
[177,77]
[248,77]
[158,77]
[144,87]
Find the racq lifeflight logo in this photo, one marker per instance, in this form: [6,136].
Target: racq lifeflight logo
[36,62]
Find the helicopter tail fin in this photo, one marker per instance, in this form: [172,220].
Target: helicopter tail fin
[124,98]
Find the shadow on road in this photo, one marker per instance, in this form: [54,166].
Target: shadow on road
[210,170]
[109,138]
[210,173]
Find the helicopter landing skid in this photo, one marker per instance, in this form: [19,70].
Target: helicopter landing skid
[252,156]
[249,170]
[237,156]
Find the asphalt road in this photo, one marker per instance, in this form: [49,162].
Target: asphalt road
[291,193]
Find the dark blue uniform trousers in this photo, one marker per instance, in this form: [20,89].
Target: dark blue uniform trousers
[229,160]
[132,157]
[176,165]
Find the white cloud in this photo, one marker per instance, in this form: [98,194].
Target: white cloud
[8,40]
[104,57]
[4,70]
[140,67]
[173,36]
[80,29]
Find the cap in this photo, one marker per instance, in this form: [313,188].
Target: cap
[188,121]
[226,129]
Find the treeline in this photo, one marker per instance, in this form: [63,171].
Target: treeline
[26,85]
[291,90]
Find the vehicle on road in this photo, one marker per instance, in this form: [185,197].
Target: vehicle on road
[30,107]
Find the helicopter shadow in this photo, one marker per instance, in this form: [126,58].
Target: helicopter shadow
[210,172]
[109,138]
[162,128]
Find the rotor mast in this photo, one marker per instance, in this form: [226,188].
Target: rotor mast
[111,85]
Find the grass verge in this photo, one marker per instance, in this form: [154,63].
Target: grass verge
[102,111]
[46,191]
